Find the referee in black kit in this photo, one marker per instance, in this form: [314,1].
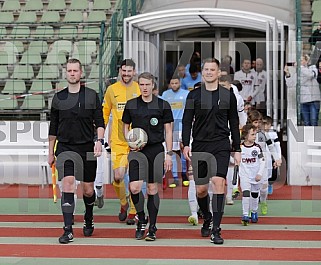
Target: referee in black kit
[212,112]
[153,115]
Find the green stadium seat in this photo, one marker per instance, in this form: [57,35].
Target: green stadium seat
[73,16]
[94,72]
[68,32]
[31,57]
[33,102]
[27,17]
[96,16]
[39,85]
[316,11]
[101,5]
[8,53]
[93,84]
[61,84]
[48,72]
[6,17]
[22,71]
[59,51]
[8,102]
[44,32]
[11,5]
[3,32]
[50,17]
[91,32]
[20,32]
[78,5]
[3,72]
[57,5]
[86,50]
[38,46]
[14,87]
[33,5]
[19,46]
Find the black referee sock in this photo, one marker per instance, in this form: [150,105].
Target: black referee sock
[218,203]
[89,205]
[67,207]
[139,200]
[203,203]
[152,207]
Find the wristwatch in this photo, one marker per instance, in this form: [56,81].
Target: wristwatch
[170,153]
[101,140]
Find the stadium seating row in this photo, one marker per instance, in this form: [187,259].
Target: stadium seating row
[53,17]
[48,32]
[50,72]
[39,5]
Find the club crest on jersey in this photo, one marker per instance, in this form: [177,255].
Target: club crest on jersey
[254,153]
[153,121]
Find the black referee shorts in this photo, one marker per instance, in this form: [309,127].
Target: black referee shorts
[210,159]
[76,160]
[147,164]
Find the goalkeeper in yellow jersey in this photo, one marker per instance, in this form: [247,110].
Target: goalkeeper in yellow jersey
[115,99]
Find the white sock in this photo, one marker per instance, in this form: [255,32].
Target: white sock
[229,177]
[263,194]
[254,203]
[192,200]
[246,205]
[210,194]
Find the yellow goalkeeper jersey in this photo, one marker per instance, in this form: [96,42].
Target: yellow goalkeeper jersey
[114,102]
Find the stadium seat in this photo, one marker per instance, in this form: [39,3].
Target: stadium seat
[8,53]
[48,72]
[11,5]
[93,84]
[86,50]
[3,32]
[6,18]
[61,84]
[96,16]
[31,57]
[68,32]
[73,16]
[78,5]
[59,52]
[101,5]
[316,11]
[44,32]
[14,87]
[20,32]
[94,73]
[33,102]
[39,85]
[33,5]
[50,17]
[22,71]
[19,45]
[38,46]
[3,72]
[91,32]
[8,102]
[27,17]
[57,5]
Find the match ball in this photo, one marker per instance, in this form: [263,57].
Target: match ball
[136,138]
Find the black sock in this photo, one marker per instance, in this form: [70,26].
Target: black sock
[89,205]
[139,200]
[203,203]
[218,202]
[67,207]
[152,207]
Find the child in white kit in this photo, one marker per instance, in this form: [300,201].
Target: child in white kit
[251,172]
